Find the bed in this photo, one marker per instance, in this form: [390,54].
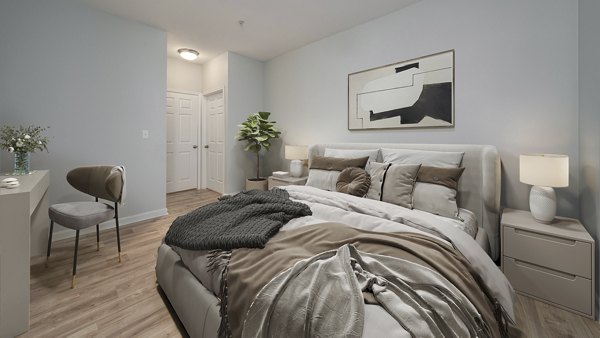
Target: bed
[192,291]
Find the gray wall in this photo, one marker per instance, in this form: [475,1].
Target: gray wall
[245,96]
[516,81]
[97,80]
[589,117]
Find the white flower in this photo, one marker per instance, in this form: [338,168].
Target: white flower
[39,142]
[19,144]
[11,149]
[27,137]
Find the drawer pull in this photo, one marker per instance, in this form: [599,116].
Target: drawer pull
[545,269]
[545,237]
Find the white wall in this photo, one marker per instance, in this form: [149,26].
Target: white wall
[516,81]
[215,73]
[97,80]
[245,96]
[589,118]
[184,75]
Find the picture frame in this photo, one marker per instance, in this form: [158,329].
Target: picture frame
[416,93]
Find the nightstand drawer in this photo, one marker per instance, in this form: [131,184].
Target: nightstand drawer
[557,253]
[571,291]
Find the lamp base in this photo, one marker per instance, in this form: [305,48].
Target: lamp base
[542,203]
[296,168]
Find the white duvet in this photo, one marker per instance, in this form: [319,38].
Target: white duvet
[372,215]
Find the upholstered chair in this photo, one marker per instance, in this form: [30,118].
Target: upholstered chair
[102,182]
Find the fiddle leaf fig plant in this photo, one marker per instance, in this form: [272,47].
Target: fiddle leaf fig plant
[257,131]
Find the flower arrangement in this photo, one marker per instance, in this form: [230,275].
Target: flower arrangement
[23,139]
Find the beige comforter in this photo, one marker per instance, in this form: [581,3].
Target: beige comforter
[251,270]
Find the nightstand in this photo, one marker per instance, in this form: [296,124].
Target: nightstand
[278,181]
[553,263]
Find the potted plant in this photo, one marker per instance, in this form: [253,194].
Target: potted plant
[257,131]
[22,142]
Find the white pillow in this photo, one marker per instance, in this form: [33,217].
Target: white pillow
[326,179]
[352,153]
[441,159]
[323,179]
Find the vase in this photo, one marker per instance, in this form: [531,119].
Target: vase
[21,163]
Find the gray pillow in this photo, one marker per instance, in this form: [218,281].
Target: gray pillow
[436,189]
[377,172]
[399,183]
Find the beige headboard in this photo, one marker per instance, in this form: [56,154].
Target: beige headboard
[478,188]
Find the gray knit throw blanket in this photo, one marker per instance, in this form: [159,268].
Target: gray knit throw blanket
[245,220]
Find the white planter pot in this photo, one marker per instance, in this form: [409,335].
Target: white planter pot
[254,184]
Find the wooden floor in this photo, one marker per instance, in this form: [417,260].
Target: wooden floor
[113,299]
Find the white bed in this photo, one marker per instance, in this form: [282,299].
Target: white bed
[191,290]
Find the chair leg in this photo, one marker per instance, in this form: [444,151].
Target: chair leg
[97,237]
[49,242]
[117,226]
[75,259]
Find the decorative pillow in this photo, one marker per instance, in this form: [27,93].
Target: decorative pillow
[324,171]
[352,153]
[443,159]
[436,189]
[338,164]
[377,172]
[353,181]
[399,183]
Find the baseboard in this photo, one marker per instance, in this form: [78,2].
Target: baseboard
[123,221]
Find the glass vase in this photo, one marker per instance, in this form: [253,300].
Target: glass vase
[21,163]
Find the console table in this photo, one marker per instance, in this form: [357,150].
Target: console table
[23,234]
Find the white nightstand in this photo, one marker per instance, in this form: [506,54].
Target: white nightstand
[553,263]
[278,181]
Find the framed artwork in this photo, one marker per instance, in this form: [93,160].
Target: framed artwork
[417,93]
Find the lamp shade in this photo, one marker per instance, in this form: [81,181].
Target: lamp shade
[546,170]
[296,152]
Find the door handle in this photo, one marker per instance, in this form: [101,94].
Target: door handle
[195,146]
[206,146]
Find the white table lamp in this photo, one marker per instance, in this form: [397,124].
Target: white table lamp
[297,154]
[544,172]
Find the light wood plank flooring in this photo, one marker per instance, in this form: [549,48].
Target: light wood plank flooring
[113,299]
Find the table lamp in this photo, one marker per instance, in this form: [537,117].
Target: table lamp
[544,172]
[297,154]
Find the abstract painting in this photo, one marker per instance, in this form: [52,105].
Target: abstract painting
[418,93]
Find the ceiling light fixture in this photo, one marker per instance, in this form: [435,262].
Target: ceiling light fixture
[188,54]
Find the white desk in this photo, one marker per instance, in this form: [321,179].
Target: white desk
[23,233]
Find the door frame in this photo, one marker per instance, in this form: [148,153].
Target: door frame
[200,184]
[204,135]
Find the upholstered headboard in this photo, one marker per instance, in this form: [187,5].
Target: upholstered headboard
[478,188]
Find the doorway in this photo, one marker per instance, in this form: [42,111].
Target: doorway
[182,141]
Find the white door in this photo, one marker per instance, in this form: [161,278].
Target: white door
[182,141]
[215,126]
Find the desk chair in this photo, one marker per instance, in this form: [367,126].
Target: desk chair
[101,182]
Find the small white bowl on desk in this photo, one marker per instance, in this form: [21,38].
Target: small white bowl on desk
[9,183]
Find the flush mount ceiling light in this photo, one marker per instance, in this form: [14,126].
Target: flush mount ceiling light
[188,54]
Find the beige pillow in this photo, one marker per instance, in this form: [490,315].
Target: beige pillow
[353,181]
[377,172]
[436,189]
[399,183]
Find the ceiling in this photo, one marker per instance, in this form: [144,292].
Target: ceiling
[271,27]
